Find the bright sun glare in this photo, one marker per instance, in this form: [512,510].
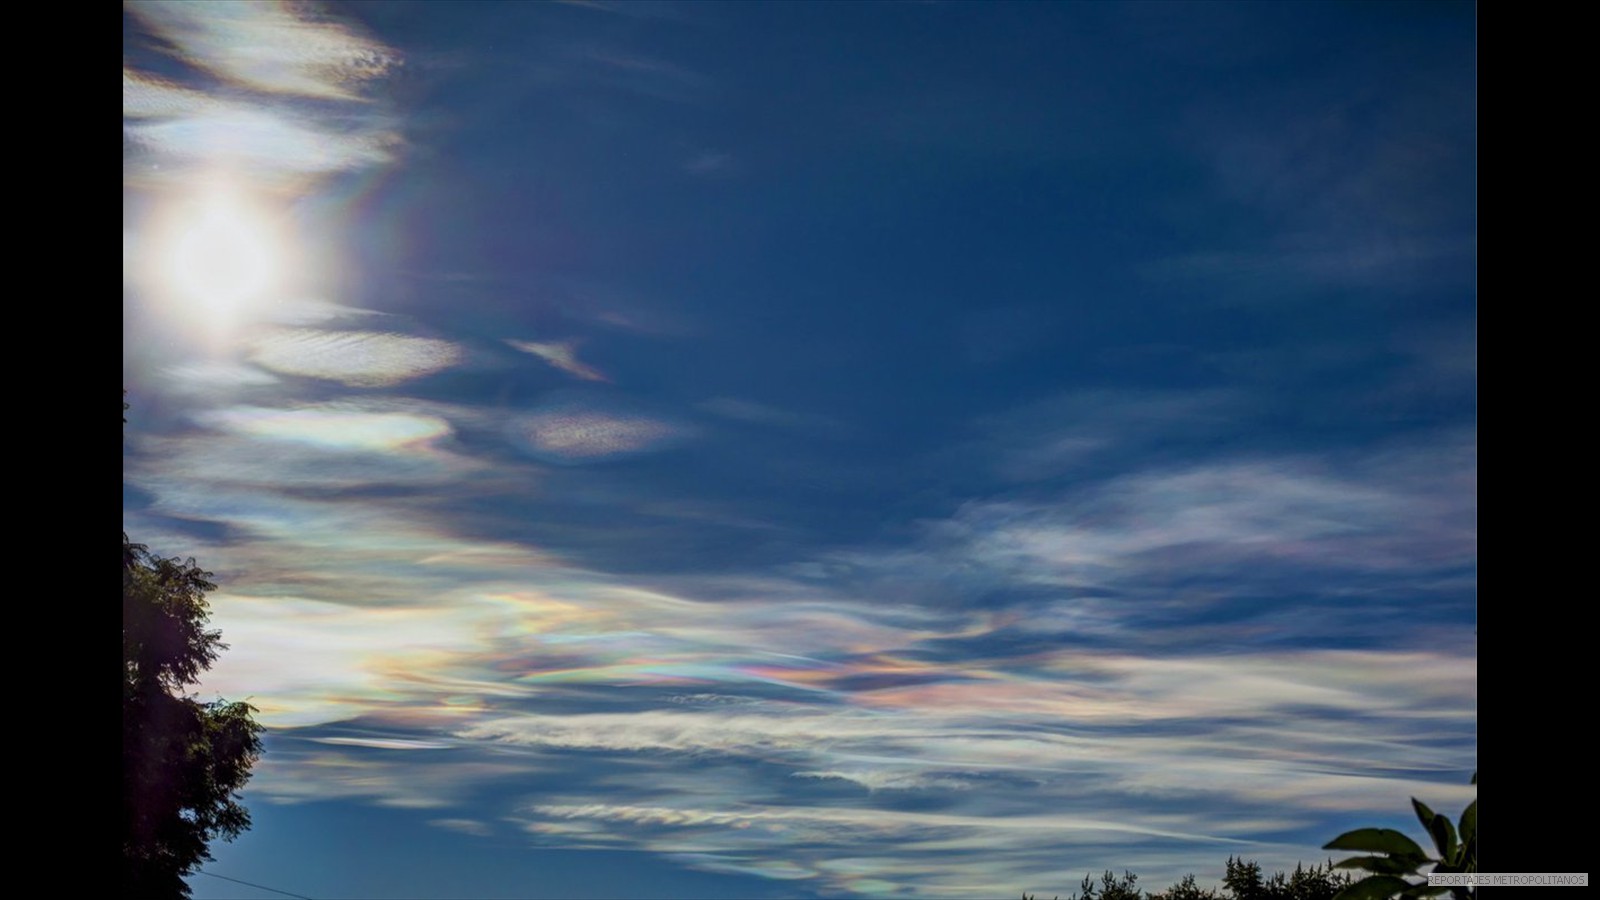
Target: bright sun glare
[220,257]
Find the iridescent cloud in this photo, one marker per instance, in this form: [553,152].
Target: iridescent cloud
[478,651]
[273,145]
[572,435]
[270,46]
[214,377]
[334,426]
[1085,732]
[293,107]
[355,358]
[563,355]
[147,96]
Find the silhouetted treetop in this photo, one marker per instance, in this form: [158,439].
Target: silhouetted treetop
[183,761]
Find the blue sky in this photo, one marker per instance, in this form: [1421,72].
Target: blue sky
[797,450]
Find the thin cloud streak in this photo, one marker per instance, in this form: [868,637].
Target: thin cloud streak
[562,355]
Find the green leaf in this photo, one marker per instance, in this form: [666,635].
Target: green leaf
[1383,865]
[1423,890]
[1377,840]
[1469,822]
[1444,837]
[1424,814]
[1469,855]
[1474,777]
[1375,887]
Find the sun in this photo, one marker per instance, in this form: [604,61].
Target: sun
[224,256]
[219,258]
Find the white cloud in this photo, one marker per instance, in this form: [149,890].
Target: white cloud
[1403,511]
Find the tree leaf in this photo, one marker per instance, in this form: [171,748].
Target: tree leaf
[1469,822]
[1382,865]
[1444,837]
[1424,814]
[1378,840]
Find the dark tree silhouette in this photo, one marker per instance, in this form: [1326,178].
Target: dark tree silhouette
[183,761]
[1243,880]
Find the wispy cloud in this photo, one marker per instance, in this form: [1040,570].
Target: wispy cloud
[295,103]
[1357,180]
[644,75]
[650,9]
[561,354]
[147,96]
[356,358]
[858,706]
[583,430]
[1065,434]
[214,377]
[269,46]
[708,162]
[1189,520]
[273,146]
[1169,744]
[465,826]
[1082,686]
[1123,507]
[764,414]
[296,769]
[1312,259]
[331,426]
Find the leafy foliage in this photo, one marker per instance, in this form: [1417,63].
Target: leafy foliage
[1393,858]
[183,761]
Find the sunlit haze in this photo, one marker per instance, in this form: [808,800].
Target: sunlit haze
[215,259]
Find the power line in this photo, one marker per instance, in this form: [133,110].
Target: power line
[251,884]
